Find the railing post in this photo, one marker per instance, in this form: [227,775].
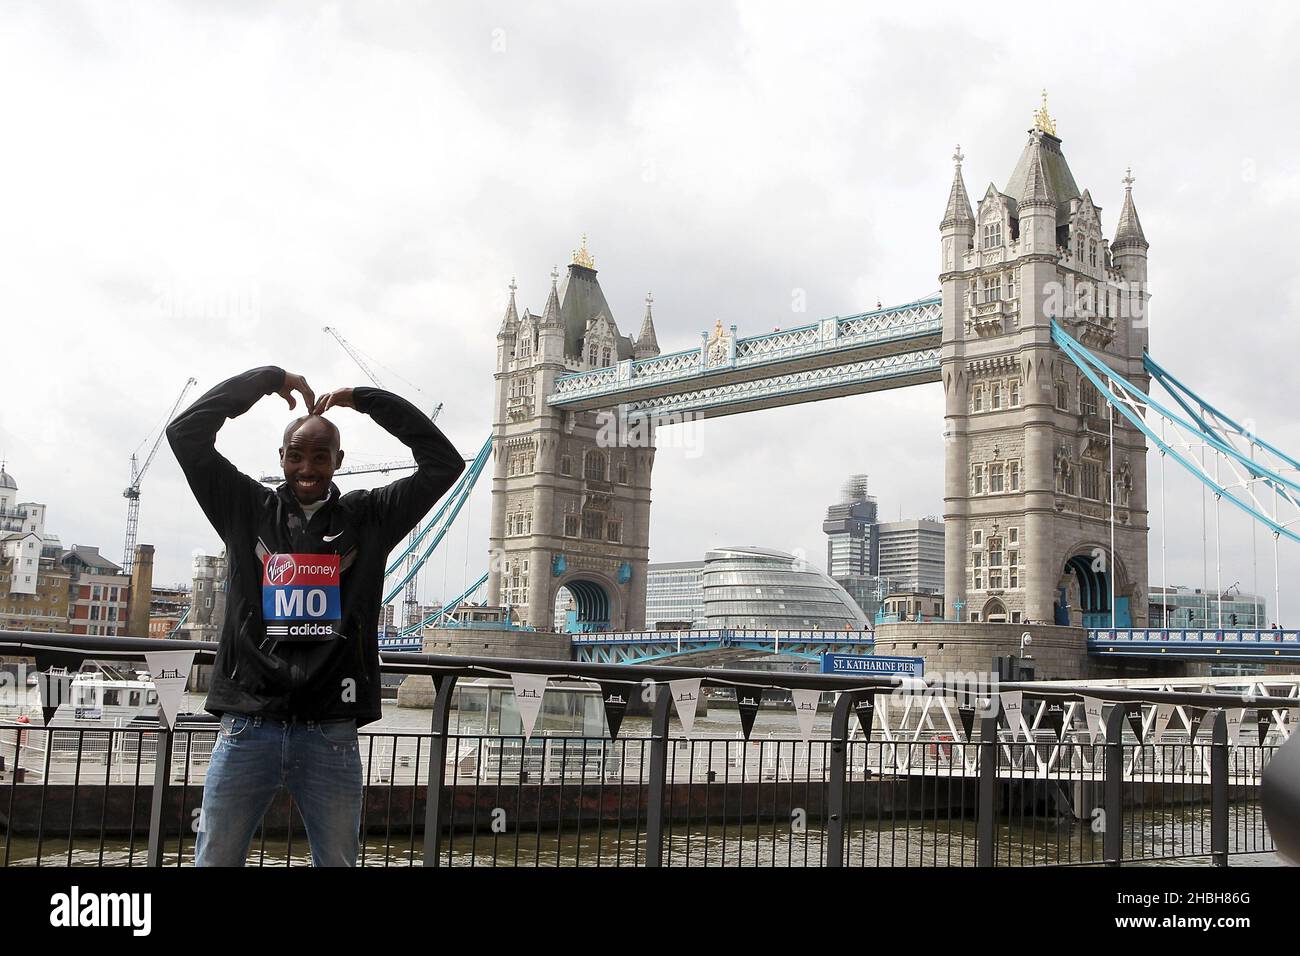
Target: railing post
[1219,790]
[988,778]
[162,771]
[835,796]
[443,687]
[658,780]
[1112,836]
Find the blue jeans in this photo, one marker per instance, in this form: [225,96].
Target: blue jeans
[319,763]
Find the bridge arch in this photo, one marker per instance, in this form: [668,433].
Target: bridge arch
[595,598]
[994,611]
[1085,587]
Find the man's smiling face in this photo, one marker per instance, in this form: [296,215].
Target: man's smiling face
[309,456]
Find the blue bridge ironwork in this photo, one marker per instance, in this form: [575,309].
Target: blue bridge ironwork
[645,647]
[1233,644]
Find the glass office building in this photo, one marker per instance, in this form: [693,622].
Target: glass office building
[911,554]
[867,590]
[1192,607]
[852,544]
[760,588]
[674,594]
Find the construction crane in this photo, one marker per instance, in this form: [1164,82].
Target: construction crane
[132,493]
[382,466]
[356,356]
[411,598]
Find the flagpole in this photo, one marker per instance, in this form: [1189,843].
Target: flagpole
[1111,575]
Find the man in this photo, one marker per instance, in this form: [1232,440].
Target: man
[297,669]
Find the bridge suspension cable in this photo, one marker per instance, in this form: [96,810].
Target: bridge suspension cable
[1242,487]
[446,610]
[451,508]
[1186,434]
[468,477]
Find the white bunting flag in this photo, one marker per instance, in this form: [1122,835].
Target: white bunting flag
[805,708]
[1164,713]
[1234,724]
[686,696]
[170,671]
[1096,727]
[1013,702]
[529,689]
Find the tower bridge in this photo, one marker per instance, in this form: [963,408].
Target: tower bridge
[1033,532]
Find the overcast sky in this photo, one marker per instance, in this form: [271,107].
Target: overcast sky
[196,189]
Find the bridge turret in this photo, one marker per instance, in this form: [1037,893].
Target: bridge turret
[1129,255]
[1129,250]
[958,225]
[508,332]
[510,322]
[1037,203]
[550,331]
[647,344]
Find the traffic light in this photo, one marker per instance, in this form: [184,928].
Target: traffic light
[1234,620]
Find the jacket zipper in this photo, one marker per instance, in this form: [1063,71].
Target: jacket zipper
[239,636]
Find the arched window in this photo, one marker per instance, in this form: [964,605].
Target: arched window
[594,467]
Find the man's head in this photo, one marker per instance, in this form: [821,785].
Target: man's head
[309,455]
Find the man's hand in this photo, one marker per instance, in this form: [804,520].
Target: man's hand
[339,398]
[296,383]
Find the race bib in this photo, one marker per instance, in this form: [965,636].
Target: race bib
[300,596]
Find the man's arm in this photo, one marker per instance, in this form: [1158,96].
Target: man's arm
[399,506]
[222,490]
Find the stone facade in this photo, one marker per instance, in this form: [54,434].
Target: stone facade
[1027,439]
[417,691]
[1056,653]
[1059,653]
[570,490]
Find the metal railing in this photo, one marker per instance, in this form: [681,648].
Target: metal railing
[906,795]
[725,635]
[1170,635]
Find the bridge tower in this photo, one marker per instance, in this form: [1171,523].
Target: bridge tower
[1028,447]
[570,490]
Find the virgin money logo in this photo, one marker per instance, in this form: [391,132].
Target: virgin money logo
[281,569]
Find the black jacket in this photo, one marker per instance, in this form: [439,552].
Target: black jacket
[333,673]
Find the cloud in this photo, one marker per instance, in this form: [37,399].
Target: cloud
[198,189]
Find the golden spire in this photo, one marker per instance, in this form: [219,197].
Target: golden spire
[1042,121]
[581,257]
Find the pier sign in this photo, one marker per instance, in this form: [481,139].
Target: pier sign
[872,665]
